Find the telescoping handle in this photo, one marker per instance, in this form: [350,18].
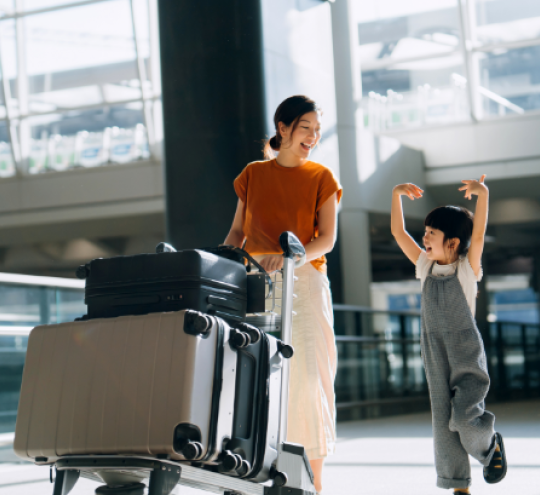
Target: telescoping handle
[294,256]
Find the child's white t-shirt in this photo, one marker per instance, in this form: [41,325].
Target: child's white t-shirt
[467,278]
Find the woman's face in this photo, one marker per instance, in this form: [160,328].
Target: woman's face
[305,137]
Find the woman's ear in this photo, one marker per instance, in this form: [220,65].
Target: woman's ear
[283,130]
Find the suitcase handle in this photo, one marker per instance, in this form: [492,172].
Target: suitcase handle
[225,248]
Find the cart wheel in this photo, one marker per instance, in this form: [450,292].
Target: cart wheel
[129,489]
[192,450]
[280,479]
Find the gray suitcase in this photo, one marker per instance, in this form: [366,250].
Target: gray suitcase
[161,384]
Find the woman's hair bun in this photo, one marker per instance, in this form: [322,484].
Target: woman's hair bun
[274,143]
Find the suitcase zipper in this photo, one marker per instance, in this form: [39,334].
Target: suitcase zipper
[200,282]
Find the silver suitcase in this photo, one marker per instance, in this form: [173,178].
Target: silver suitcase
[161,384]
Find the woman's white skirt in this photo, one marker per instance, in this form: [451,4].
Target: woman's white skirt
[312,412]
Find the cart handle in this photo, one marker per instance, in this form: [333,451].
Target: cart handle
[292,248]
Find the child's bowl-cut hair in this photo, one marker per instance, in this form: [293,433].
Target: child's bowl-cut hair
[453,221]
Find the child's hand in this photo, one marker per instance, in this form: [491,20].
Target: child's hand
[409,190]
[473,187]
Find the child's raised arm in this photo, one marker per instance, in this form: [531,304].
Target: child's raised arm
[405,241]
[480,220]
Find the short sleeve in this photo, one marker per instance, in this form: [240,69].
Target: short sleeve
[422,266]
[328,186]
[241,185]
[469,270]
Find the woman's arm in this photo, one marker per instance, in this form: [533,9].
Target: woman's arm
[403,238]
[236,235]
[327,225]
[323,244]
[480,220]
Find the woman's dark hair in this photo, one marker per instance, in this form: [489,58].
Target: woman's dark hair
[453,221]
[288,112]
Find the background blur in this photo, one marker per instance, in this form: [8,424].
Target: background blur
[429,92]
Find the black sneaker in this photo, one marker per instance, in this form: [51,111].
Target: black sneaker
[496,470]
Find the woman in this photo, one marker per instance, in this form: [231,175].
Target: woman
[289,192]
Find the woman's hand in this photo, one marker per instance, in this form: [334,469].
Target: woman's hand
[272,263]
[408,189]
[474,187]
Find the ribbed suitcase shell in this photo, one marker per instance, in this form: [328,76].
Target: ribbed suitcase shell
[152,283]
[121,386]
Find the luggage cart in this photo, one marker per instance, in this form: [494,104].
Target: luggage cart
[125,474]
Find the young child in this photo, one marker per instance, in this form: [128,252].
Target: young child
[452,349]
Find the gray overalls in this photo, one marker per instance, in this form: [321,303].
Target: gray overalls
[458,381]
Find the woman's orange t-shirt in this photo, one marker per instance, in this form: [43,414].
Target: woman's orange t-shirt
[278,199]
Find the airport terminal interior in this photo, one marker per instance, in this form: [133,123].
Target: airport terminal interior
[122,126]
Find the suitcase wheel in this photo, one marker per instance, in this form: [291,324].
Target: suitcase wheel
[253,332]
[244,468]
[195,323]
[286,350]
[239,339]
[82,271]
[231,461]
[280,479]
[192,451]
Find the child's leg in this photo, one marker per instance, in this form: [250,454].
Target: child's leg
[451,459]
[469,381]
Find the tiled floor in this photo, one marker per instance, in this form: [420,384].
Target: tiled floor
[377,457]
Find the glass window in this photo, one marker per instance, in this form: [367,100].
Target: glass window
[88,138]
[21,305]
[81,56]
[499,21]
[69,304]
[391,30]
[6,7]
[42,4]
[7,167]
[512,81]
[415,93]
[9,67]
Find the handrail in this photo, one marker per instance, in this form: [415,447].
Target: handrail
[366,309]
[500,100]
[37,281]
[460,80]
[15,331]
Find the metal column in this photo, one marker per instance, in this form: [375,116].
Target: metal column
[213,112]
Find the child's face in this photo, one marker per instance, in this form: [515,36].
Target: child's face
[437,249]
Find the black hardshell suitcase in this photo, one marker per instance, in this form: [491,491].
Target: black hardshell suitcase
[256,409]
[167,281]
